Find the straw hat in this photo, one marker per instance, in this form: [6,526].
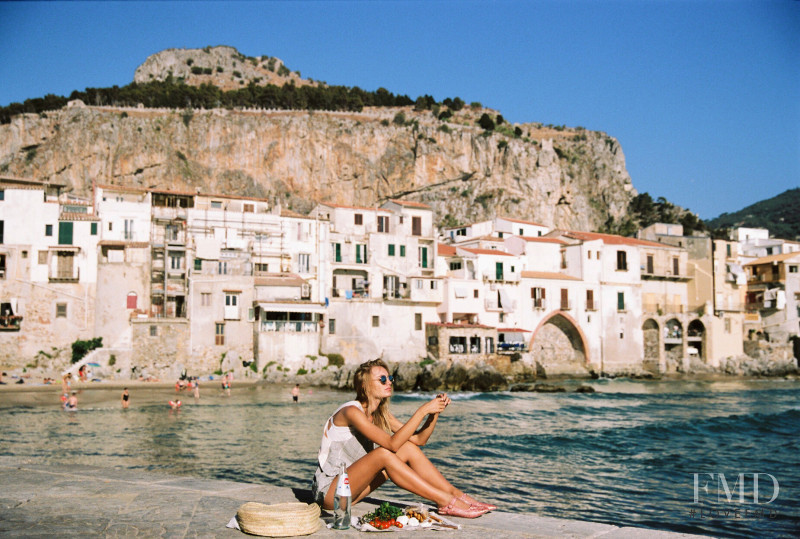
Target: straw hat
[279,520]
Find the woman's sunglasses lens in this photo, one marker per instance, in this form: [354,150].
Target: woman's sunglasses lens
[383,379]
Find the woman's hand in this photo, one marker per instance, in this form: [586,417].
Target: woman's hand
[436,405]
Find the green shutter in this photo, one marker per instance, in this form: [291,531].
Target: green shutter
[424,256]
[620,301]
[65,233]
[498,269]
[391,249]
[94,229]
[338,250]
[402,250]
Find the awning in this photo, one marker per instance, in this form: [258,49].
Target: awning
[460,292]
[293,307]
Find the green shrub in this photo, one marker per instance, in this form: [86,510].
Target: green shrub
[399,118]
[189,62]
[81,348]
[112,360]
[207,71]
[237,74]
[197,70]
[502,145]
[475,105]
[219,69]
[486,122]
[444,128]
[302,371]
[283,70]
[426,361]
[335,359]
[181,156]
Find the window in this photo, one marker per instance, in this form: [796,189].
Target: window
[391,249]
[154,331]
[376,321]
[222,268]
[418,321]
[475,345]
[383,223]
[110,228]
[251,314]
[129,229]
[175,261]
[198,264]
[61,310]
[231,306]
[588,255]
[261,268]
[131,303]
[416,226]
[42,257]
[458,345]
[455,265]
[2,266]
[622,261]
[676,266]
[728,250]
[24,253]
[331,326]
[792,269]
[336,249]
[434,285]
[490,345]
[498,271]
[249,208]
[563,259]
[650,264]
[65,233]
[2,194]
[48,230]
[620,301]
[303,263]
[170,231]
[538,296]
[475,293]
[2,227]
[219,334]
[418,284]
[590,300]
[402,250]
[361,253]
[93,229]
[423,257]
[564,299]
[358,219]
[727,325]
[205,299]
[216,204]
[521,232]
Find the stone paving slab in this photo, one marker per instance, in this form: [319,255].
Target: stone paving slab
[52,500]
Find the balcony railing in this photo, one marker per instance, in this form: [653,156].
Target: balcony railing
[10,323]
[289,327]
[66,276]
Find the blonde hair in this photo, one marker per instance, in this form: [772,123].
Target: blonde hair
[361,380]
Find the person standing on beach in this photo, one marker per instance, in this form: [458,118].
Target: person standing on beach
[196,384]
[295,392]
[125,398]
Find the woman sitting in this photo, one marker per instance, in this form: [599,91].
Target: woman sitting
[364,438]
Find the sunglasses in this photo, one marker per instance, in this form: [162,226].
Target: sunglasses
[383,379]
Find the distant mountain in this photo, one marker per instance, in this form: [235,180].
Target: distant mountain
[779,214]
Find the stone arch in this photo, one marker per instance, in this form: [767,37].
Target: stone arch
[652,341]
[558,345]
[696,339]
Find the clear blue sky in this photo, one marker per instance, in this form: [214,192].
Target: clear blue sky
[704,96]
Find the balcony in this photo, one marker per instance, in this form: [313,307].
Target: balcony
[65,276]
[10,323]
[511,347]
[539,304]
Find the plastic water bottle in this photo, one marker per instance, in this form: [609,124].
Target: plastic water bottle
[341,502]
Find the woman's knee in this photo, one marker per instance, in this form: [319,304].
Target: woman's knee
[408,451]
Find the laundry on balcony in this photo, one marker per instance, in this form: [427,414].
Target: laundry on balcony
[736,274]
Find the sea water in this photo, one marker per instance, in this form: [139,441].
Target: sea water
[666,455]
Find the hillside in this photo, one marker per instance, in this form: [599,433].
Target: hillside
[465,161]
[779,214]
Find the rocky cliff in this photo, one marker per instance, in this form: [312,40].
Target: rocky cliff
[571,178]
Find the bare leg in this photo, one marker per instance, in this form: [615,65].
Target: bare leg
[367,473]
[416,459]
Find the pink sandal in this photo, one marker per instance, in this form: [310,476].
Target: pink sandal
[487,506]
[451,510]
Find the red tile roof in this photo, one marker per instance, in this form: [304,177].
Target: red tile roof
[542,239]
[513,330]
[485,251]
[457,325]
[611,239]
[521,221]
[444,249]
[410,204]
